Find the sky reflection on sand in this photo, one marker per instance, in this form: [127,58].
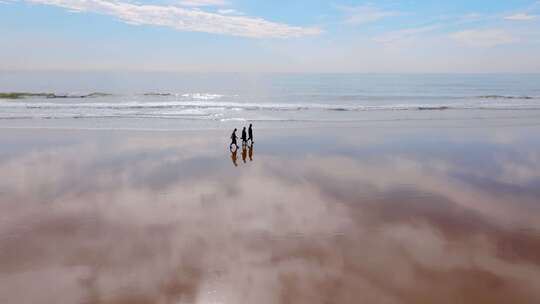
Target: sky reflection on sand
[134,217]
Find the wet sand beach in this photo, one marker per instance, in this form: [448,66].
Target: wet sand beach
[308,215]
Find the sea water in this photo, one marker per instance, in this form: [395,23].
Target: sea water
[145,100]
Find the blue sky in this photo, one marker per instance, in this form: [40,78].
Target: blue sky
[271,36]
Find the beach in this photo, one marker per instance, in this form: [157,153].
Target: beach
[371,212]
[269,152]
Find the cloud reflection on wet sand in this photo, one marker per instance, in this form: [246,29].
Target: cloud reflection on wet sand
[146,218]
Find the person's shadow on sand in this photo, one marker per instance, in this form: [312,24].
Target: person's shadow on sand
[247,150]
[234,156]
[244,152]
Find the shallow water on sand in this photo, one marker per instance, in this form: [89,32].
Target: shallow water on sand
[371,215]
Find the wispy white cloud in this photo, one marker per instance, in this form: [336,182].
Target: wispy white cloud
[470,17]
[185,19]
[200,3]
[520,17]
[483,38]
[365,14]
[392,36]
[229,11]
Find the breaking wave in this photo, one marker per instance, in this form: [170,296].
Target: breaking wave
[216,105]
[219,107]
[507,97]
[49,95]
[22,95]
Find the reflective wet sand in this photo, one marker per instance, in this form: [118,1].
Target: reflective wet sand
[303,216]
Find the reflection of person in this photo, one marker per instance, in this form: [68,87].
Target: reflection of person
[234,157]
[251,152]
[250,133]
[244,136]
[233,140]
[244,153]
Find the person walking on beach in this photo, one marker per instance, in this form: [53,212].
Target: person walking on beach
[250,133]
[244,136]
[233,140]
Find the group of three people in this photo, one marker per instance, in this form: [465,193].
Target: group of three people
[245,136]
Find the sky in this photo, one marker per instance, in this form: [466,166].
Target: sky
[389,36]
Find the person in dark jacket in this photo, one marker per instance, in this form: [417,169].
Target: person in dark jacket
[244,136]
[250,133]
[233,140]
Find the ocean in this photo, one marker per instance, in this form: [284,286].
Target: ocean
[144,100]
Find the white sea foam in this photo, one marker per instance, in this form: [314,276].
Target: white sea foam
[227,108]
[202,96]
[239,106]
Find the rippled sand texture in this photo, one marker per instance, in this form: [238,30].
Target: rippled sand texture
[388,216]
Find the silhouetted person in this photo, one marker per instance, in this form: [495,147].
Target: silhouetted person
[233,140]
[234,158]
[251,152]
[244,153]
[244,136]
[250,133]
